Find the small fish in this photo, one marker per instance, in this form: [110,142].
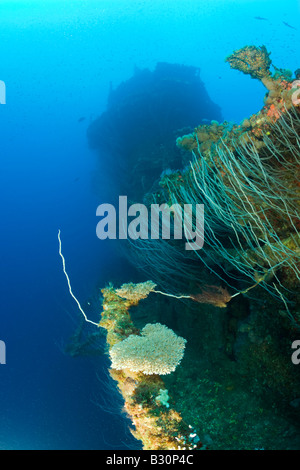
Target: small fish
[81,119]
[260,18]
[289,26]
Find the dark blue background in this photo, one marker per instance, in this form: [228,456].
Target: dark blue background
[57,59]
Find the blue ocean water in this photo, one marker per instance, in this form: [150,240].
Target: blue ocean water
[58,59]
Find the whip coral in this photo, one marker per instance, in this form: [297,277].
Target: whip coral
[247,176]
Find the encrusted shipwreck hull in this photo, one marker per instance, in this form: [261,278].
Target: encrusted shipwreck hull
[157,423]
[247,176]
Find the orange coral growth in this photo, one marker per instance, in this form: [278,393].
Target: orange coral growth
[274,112]
[214,295]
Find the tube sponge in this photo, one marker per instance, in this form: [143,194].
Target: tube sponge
[157,351]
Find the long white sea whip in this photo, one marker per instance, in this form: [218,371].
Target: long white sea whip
[69,284]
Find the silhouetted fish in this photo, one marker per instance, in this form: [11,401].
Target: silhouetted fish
[81,119]
[288,25]
[260,18]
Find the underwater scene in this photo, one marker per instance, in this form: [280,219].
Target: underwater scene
[150,225]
